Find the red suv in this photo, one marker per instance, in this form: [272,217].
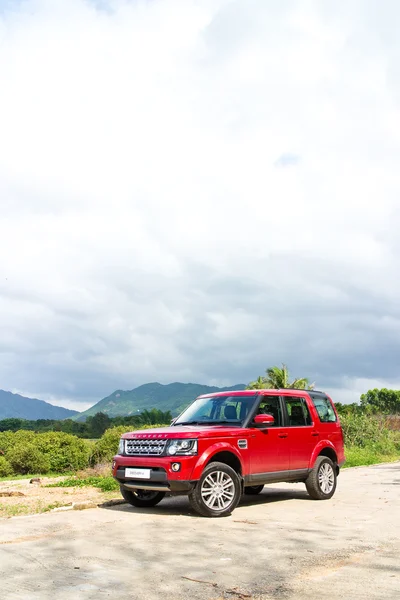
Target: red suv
[230,443]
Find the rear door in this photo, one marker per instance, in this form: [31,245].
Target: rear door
[329,426]
[302,432]
[269,447]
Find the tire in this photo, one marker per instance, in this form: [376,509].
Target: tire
[218,491]
[142,498]
[321,482]
[253,490]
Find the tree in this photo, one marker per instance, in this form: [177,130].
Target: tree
[384,400]
[98,424]
[279,378]
[154,416]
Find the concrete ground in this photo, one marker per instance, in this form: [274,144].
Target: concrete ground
[280,544]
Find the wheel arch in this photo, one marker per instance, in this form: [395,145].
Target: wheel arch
[325,449]
[220,452]
[228,458]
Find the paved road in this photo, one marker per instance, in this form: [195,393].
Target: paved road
[278,545]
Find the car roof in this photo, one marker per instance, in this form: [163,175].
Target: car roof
[263,392]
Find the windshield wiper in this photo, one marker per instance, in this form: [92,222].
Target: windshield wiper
[221,422]
[188,423]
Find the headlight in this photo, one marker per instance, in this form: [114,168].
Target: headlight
[121,447]
[182,447]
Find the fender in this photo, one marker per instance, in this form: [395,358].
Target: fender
[320,446]
[210,452]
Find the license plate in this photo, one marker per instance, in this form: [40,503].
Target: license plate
[138,473]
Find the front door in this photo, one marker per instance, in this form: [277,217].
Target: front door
[269,447]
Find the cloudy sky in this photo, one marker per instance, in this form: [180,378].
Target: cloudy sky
[193,190]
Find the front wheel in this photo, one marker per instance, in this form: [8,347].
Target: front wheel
[218,491]
[253,490]
[142,498]
[321,482]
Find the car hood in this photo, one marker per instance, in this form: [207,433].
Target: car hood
[186,431]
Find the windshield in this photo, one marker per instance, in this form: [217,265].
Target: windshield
[217,410]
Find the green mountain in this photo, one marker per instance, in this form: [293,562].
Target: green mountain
[14,405]
[174,397]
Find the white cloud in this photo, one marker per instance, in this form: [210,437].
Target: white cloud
[146,232]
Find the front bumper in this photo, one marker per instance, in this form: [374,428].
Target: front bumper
[162,477]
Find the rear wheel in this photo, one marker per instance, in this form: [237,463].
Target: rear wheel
[142,498]
[321,482]
[218,491]
[253,490]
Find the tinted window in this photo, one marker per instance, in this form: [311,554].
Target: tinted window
[271,405]
[325,410]
[298,412]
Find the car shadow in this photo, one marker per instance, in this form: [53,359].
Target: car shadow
[179,505]
[270,495]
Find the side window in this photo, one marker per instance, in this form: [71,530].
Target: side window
[271,405]
[325,410]
[298,412]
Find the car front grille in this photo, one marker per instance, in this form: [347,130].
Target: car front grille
[137,447]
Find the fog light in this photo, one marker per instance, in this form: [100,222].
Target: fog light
[176,466]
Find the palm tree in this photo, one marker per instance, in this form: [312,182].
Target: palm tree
[258,384]
[278,378]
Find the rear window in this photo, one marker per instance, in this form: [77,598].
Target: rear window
[325,410]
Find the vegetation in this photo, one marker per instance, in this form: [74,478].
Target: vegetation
[383,401]
[17,510]
[27,452]
[357,457]
[92,428]
[55,452]
[279,378]
[105,484]
[5,467]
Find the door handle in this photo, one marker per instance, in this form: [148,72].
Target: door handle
[282,435]
[315,434]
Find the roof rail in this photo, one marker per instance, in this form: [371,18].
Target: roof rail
[303,390]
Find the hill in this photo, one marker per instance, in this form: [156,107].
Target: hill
[174,397]
[14,405]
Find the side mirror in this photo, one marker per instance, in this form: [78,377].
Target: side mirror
[264,421]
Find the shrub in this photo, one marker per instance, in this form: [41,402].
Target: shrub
[65,452]
[5,467]
[27,458]
[106,447]
[30,452]
[370,432]
[362,430]
[8,439]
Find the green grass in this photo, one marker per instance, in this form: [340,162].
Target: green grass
[19,510]
[14,510]
[359,457]
[105,484]
[50,507]
[35,476]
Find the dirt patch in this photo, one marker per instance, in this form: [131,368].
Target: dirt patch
[20,497]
